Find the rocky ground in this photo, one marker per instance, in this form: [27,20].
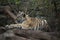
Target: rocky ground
[17,34]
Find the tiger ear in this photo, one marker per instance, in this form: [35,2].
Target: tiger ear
[24,15]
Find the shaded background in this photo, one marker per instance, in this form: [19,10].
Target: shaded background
[48,9]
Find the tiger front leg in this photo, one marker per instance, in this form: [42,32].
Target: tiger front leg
[11,26]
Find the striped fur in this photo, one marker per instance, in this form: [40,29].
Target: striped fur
[31,23]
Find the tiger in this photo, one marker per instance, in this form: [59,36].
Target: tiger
[32,23]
